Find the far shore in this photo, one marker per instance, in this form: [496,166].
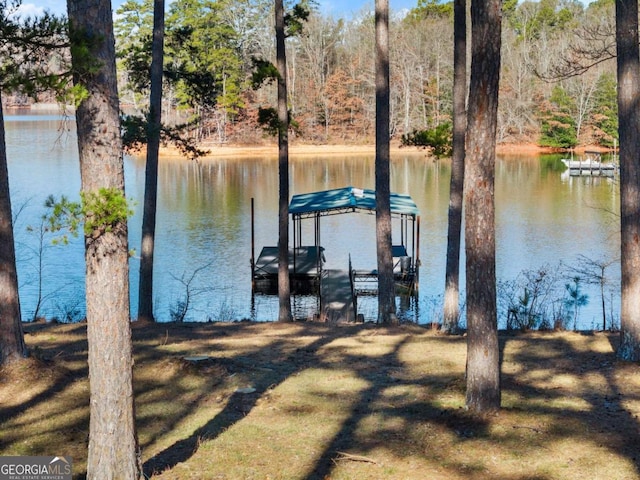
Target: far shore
[301,150]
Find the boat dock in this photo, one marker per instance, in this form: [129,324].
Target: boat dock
[591,165]
[337,290]
[337,297]
[305,268]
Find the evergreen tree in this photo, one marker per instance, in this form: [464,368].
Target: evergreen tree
[113,447]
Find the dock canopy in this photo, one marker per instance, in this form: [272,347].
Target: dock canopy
[348,199]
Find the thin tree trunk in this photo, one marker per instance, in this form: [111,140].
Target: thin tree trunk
[452,275]
[628,59]
[145,287]
[284,290]
[12,345]
[483,369]
[386,285]
[113,448]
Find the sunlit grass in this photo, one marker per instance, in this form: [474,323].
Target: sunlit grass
[309,401]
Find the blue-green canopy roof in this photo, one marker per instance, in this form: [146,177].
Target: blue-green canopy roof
[346,199]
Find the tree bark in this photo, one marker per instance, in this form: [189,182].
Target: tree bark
[12,346]
[113,448]
[284,289]
[628,61]
[145,286]
[386,285]
[452,274]
[483,369]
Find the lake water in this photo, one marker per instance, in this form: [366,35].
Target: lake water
[204,225]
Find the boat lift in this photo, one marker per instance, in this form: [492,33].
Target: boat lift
[306,261]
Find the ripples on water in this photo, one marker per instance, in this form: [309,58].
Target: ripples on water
[204,223]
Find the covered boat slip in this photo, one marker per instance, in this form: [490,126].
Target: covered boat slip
[338,288]
[305,268]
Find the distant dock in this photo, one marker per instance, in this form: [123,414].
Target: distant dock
[591,165]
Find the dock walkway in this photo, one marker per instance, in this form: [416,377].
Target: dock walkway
[337,303]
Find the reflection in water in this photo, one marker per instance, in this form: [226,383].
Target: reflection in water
[204,224]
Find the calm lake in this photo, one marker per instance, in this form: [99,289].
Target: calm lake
[203,242]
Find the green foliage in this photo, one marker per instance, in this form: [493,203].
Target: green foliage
[295,19]
[605,116]
[576,299]
[530,19]
[203,53]
[264,72]
[135,134]
[432,8]
[438,139]
[558,128]
[602,5]
[104,210]
[100,212]
[268,119]
[133,27]
[83,47]
[63,215]
[33,50]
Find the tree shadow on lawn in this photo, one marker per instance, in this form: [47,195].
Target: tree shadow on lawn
[531,383]
[605,416]
[42,362]
[266,376]
[372,401]
[600,383]
[530,390]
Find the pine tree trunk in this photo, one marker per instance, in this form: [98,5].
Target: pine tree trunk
[284,289]
[628,59]
[483,369]
[12,345]
[452,274]
[145,286]
[113,449]
[386,284]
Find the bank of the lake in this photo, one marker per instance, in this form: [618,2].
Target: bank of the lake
[267,150]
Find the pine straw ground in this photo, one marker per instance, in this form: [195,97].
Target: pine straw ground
[348,402]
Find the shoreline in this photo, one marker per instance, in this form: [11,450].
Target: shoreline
[298,150]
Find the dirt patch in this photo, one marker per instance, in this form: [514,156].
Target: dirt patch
[308,401]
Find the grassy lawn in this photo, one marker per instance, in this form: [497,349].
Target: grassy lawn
[311,401]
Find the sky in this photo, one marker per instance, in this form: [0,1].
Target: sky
[336,8]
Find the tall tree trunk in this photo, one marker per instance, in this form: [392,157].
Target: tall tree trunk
[483,369]
[452,275]
[145,286]
[113,448]
[386,284]
[12,345]
[629,131]
[284,290]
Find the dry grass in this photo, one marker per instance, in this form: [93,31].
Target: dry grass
[348,402]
